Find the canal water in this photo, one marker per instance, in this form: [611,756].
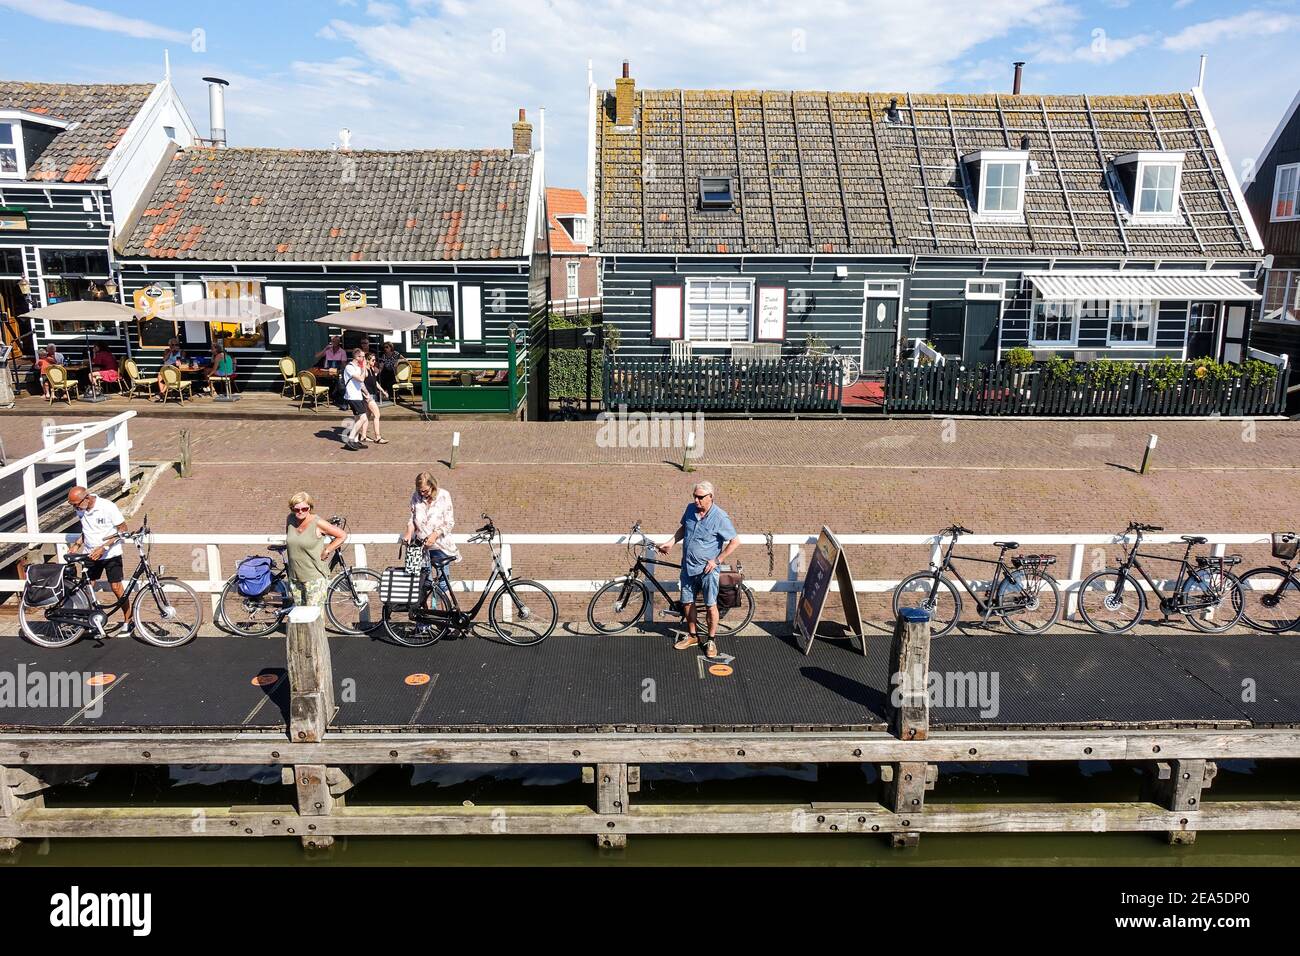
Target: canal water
[677,784]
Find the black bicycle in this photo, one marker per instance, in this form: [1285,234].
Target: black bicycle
[622,602]
[1271,596]
[1112,601]
[58,606]
[1021,592]
[351,601]
[417,613]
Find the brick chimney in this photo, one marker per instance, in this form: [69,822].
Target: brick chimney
[624,97]
[523,140]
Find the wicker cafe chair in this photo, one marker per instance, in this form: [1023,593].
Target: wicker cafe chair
[132,383]
[175,384]
[310,390]
[402,379]
[289,377]
[56,376]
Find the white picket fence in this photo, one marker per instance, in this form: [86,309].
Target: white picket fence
[220,553]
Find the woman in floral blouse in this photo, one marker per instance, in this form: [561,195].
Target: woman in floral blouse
[430,523]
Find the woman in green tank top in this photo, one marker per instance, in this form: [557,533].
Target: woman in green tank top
[311,542]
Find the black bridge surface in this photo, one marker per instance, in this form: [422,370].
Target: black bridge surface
[591,683]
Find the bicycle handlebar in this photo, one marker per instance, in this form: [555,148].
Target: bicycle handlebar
[1139,526]
[956,529]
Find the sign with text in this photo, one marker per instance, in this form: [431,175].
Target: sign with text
[828,564]
[151,300]
[351,300]
[771,314]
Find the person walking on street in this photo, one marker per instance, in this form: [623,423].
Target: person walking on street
[375,392]
[356,395]
[311,542]
[429,525]
[101,527]
[708,537]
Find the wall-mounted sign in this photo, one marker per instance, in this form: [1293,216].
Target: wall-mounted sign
[13,220]
[828,562]
[351,299]
[771,314]
[151,300]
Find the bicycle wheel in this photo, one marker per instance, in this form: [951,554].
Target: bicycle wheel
[941,600]
[533,612]
[403,625]
[352,602]
[253,617]
[732,619]
[45,633]
[1221,590]
[618,605]
[169,616]
[1036,598]
[1270,600]
[1111,602]
[849,372]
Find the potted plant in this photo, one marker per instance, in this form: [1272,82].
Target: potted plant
[1021,361]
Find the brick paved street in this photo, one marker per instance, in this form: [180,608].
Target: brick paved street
[903,476]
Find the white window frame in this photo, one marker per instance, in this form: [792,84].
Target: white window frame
[1072,341]
[580,230]
[1291,287]
[42,278]
[18,147]
[571,268]
[1294,169]
[260,283]
[1141,160]
[987,158]
[986,294]
[686,312]
[455,314]
[1153,307]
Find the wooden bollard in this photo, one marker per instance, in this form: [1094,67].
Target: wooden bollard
[910,653]
[311,678]
[1146,455]
[1179,787]
[612,789]
[186,465]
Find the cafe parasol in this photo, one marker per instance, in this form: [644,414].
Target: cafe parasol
[372,319]
[86,311]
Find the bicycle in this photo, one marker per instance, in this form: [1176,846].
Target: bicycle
[1271,595]
[627,595]
[849,369]
[1112,601]
[521,611]
[350,601]
[1023,594]
[165,612]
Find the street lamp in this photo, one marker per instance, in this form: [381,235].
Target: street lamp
[588,342]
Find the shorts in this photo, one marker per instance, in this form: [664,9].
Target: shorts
[358,406]
[110,567]
[706,584]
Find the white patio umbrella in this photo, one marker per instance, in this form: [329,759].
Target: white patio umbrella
[372,319]
[234,309]
[89,310]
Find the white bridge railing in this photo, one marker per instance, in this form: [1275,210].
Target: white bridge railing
[215,555]
[74,449]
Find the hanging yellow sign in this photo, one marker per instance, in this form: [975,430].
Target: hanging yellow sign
[151,300]
[351,299]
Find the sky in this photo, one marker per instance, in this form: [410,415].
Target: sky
[453,73]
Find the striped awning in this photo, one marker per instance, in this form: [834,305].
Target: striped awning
[1209,286]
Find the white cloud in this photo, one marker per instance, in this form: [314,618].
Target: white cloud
[382,11]
[79,15]
[1249,24]
[1101,49]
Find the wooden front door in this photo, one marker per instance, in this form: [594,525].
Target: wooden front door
[1203,330]
[14,330]
[306,337]
[1234,334]
[879,334]
[980,342]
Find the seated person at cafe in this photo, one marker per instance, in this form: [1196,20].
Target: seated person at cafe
[388,361]
[103,366]
[222,366]
[47,357]
[333,354]
[173,356]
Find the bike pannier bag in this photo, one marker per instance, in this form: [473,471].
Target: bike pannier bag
[44,585]
[729,589]
[399,586]
[253,576]
[414,559]
[1285,545]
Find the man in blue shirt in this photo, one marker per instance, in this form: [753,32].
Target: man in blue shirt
[708,537]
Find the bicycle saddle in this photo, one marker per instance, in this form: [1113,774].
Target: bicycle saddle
[79,557]
[1009,545]
[1195,539]
[277,547]
[441,560]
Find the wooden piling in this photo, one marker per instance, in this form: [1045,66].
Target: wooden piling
[612,798]
[1179,786]
[186,461]
[21,793]
[909,717]
[311,678]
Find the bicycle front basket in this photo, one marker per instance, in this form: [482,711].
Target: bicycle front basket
[399,586]
[1285,545]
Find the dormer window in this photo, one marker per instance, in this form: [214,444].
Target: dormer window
[1286,185]
[1151,181]
[997,177]
[11,150]
[715,192]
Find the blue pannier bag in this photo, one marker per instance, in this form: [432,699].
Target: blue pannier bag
[253,576]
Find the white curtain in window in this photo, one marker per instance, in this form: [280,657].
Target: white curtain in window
[430,298]
[719,310]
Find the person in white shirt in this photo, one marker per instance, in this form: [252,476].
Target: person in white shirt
[356,395]
[101,526]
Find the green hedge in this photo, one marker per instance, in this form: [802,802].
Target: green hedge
[568,367]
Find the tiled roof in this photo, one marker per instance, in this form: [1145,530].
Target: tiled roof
[821,173]
[562,202]
[294,205]
[99,114]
